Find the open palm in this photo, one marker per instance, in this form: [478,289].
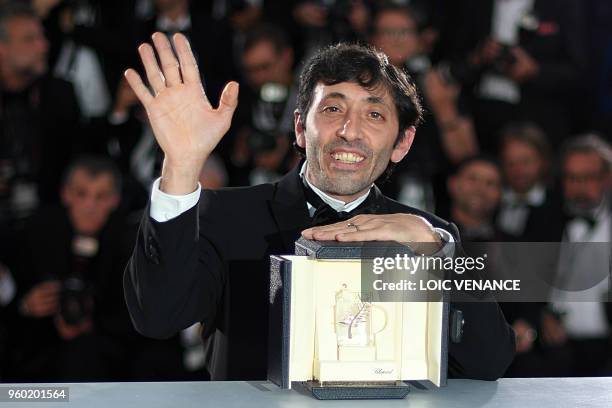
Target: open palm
[185,124]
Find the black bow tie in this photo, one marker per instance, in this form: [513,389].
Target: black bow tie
[325,214]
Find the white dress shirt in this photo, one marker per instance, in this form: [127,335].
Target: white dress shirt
[582,317]
[514,210]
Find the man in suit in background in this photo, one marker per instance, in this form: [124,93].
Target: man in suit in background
[583,324]
[529,199]
[204,256]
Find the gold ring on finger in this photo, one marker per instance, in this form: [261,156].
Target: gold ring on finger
[350,224]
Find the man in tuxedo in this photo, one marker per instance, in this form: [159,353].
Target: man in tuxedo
[584,323]
[204,256]
[529,200]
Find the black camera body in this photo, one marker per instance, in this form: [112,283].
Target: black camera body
[504,60]
[76,296]
[76,301]
[268,117]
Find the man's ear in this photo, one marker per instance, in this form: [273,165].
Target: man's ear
[403,145]
[300,138]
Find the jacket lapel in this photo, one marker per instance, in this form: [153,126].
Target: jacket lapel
[378,204]
[289,210]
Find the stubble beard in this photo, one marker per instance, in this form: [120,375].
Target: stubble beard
[344,183]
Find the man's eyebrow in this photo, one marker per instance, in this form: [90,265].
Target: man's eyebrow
[370,99]
[379,100]
[332,95]
[376,100]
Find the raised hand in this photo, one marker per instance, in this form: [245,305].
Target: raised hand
[185,124]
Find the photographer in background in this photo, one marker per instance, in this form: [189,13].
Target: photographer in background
[521,60]
[65,278]
[73,323]
[37,134]
[261,150]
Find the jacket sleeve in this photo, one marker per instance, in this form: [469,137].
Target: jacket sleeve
[175,276]
[487,346]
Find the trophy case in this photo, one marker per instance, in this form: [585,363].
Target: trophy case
[335,339]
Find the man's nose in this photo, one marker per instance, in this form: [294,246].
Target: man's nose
[349,130]
[89,203]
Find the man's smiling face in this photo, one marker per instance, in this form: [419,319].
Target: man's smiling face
[349,136]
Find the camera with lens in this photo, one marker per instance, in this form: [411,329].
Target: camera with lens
[338,20]
[269,117]
[463,72]
[504,60]
[338,9]
[76,302]
[76,296]
[260,142]
[459,72]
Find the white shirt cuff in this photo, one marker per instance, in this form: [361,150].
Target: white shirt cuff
[165,207]
[446,236]
[448,243]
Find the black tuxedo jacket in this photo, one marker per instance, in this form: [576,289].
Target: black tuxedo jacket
[211,265]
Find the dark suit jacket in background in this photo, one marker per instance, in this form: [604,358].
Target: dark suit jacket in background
[50,124]
[211,264]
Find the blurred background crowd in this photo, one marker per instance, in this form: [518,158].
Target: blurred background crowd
[515,147]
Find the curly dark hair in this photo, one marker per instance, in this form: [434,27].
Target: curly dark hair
[367,67]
